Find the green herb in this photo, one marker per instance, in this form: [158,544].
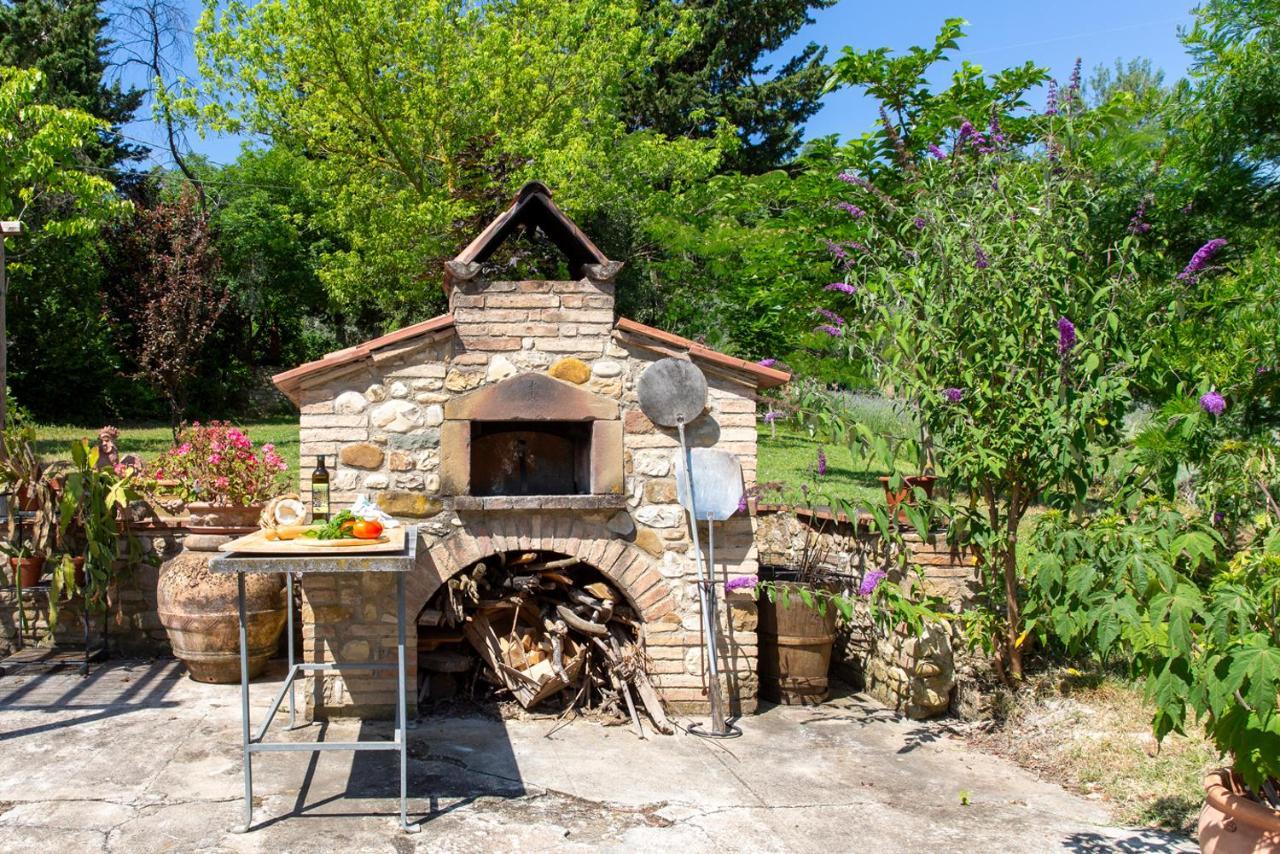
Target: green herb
[332,529]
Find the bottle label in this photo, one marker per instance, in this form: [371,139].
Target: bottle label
[320,501]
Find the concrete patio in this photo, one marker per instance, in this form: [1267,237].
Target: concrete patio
[138,758]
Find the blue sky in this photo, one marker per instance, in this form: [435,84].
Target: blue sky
[1001,33]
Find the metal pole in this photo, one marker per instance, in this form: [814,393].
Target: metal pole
[293,723]
[244,705]
[402,731]
[7,229]
[708,620]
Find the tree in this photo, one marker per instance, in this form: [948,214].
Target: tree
[168,295]
[722,75]
[421,121]
[65,41]
[983,302]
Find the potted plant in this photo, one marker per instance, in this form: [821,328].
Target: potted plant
[91,500]
[32,516]
[226,482]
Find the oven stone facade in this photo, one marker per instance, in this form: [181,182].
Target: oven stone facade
[397,417]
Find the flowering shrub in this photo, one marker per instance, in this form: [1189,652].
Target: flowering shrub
[216,463]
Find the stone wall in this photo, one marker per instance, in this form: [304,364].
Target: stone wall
[914,674]
[133,628]
[381,420]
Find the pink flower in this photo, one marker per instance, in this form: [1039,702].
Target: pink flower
[215,459]
[221,482]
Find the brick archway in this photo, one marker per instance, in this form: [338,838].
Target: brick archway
[630,568]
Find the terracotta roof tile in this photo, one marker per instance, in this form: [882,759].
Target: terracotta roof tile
[765,377]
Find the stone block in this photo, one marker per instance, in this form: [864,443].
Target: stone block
[649,541]
[411,505]
[362,456]
[607,475]
[570,370]
[455,458]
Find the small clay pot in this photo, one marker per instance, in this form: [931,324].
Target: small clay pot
[30,569]
[1232,822]
[906,493]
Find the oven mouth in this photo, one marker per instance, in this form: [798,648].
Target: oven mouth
[521,458]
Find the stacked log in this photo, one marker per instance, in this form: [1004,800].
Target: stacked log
[542,627]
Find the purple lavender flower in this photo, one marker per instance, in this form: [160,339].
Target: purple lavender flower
[822,462]
[919,222]
[980,258]
[997,135]
[851,209]
[938,153]
[833,331]
[742,582]
[831,316]
[966,131]
[953,395]
[742,503]
[1219,517]
[1051,102]
[767,363]
[870,582]
[1138,223]
[842,287]
[1213,403]
[1201,259]
[856,180]
[1066,336]
[838,252]
[1074,88]
[771,416]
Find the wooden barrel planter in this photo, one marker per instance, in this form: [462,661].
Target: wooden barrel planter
[198,608]
[795,644]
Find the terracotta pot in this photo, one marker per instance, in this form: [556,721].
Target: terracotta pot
[30,569]
[906,494]
[81,578]
[198,608]
[795,647]
[1232,822]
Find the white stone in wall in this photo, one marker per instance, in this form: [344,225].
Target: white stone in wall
[432,483]
[658,515]
[399,389]
[376,393]
[652,462]
[672,565]
[606,368]
[435,415]
[345,481]
[500,368]
[377,480]
[397,416]
[409,480]
[428,459]
[350,403]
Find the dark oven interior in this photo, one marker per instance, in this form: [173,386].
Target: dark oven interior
[530,458]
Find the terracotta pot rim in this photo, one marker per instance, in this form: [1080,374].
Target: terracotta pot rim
[1223,790]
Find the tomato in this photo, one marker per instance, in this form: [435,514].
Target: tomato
[366,529]
[347,526]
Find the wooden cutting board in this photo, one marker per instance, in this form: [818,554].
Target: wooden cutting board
[391,541]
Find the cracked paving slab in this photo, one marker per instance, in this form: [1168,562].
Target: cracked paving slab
[138,758]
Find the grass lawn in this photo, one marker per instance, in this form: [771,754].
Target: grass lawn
[149,441]
[791,457]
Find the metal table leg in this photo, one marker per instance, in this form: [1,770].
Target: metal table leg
[402,731]
[293,722]
[244,707]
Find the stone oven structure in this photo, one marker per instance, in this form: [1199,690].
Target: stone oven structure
[511,424]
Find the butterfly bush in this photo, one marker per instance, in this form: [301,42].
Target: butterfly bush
[1201,259]
[1213,403]
[217,463]
[741,583]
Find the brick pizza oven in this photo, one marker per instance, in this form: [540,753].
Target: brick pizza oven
[511,424]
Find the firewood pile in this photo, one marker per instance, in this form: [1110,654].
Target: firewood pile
[544,628]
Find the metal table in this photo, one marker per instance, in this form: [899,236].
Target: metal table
[241,564]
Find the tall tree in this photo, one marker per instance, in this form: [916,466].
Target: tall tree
[65,41]
[725,74]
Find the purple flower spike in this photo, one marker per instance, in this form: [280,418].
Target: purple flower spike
[833,331]
[1138,222]
[870,582]
[938,153]
[822,462]
[1213,403]
[966,130]
[852,210]
[742,582]
[919,222]
[767,363]
[1051,102]
[850,178]
[1066,336]
[980,258]
[831,316]
[771,416]
[953,395]
[842,287]
[1201,259]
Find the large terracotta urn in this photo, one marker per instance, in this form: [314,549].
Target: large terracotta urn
[1234,823]
[198,608]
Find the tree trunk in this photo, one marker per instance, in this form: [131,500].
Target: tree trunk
[1013,610]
